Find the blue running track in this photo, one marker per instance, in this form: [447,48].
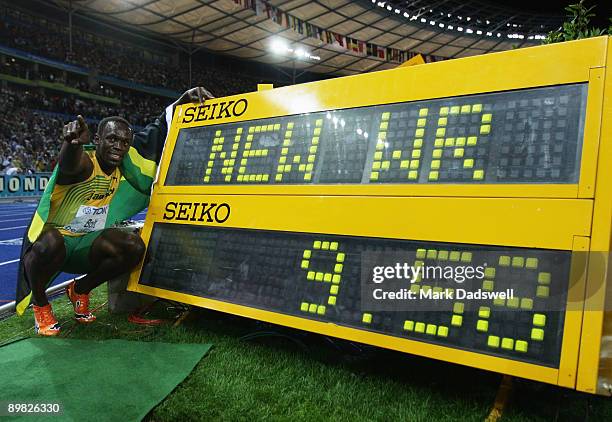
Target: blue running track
[14,219]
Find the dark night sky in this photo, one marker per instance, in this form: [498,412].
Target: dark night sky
[603,8]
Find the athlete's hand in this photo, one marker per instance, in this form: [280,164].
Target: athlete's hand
[195,95]
[76,132]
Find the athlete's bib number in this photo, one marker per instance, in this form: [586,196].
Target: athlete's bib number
[88,219]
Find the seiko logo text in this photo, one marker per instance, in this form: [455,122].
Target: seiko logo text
[197,211]
[215,111]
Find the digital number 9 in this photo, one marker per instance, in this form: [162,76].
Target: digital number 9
[333,278]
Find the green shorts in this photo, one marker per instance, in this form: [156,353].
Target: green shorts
[77,253]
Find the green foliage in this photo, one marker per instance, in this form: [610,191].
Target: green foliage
[577,27]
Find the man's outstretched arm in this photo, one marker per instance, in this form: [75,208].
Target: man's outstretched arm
[74,165]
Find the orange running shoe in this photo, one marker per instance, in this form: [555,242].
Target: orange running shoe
[45,323]
[81,305]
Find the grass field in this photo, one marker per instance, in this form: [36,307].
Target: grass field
[274,378]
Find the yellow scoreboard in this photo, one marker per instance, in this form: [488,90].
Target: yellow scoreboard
[278,205]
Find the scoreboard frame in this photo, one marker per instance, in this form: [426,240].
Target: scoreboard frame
[573,217]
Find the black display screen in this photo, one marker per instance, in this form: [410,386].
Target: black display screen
[526,136]
[320,277]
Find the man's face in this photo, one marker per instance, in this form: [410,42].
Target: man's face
[113,143]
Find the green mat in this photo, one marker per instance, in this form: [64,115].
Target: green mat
[108,380]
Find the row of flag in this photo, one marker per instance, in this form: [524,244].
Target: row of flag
[286,20]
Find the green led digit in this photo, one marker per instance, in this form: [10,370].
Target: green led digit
[462,147]
[524,304]
[217,154]
[332,278]
[293,163]
[249,152]
[439,257]
[409,156]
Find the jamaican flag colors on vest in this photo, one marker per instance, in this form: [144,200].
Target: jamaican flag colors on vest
[138,172]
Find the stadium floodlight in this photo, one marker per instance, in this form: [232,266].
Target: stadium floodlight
[460,29]
[279,46]
[397,11]
[406,15]
[469,31]
[479,32]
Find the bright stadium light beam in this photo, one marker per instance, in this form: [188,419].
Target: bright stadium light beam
[279,46]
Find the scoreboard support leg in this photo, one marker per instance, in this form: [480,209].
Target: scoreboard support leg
[182,317]
[504,392]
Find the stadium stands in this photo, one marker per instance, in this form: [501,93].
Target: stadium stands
[44,85]
[110,57]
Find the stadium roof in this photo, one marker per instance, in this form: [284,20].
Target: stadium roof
[246,28]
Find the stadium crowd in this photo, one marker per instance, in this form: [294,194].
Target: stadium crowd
[28,140]
[33,113]
[114,58]
[31,124]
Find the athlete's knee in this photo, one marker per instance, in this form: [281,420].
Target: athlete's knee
[127,247]
[133,248]
[49,247]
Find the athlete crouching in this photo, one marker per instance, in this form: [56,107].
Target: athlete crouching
[74,239]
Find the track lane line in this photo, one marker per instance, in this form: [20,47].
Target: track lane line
[9,262]
[2,242]
[14,228]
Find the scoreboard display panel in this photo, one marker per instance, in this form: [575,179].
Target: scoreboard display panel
[525,136]
[459,210]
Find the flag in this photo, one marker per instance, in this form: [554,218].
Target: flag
[139,172]
[370,49]
[320,34]
[339,39]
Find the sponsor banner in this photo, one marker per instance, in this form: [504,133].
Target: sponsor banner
[23,185]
